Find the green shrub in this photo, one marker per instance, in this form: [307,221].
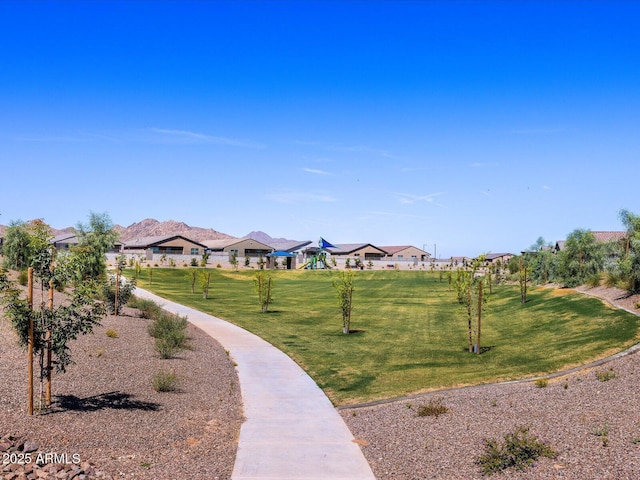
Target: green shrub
[165,381]
[434,408]
[169,332]
[147,308]
[125,290]
[605,375]
[594,280]
[542,382]
[194,262]
[23,278]
[519,450]
[111,333]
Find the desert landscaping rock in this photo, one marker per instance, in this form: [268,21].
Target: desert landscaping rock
[106,411]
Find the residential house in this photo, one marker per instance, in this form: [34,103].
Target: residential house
[164,244]
[405,252]
[362,251]
[242,247]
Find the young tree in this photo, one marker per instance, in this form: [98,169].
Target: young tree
[264,283]
[47,330]
[205,282]
[234,261]
[192,275]
[344,291]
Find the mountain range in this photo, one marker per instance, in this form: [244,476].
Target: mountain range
[150,227]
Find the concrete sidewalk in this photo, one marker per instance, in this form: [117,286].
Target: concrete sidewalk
[292,431]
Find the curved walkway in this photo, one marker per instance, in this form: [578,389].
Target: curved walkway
[291,431]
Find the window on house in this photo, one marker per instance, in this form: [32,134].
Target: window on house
[195,251]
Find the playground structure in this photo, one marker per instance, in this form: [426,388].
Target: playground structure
[318,261]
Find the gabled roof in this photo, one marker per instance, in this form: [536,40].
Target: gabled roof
[229,242]
[345,248]
[393,249]
[494,256]
[289,245]
[146,242]
[65,238]
[609,236]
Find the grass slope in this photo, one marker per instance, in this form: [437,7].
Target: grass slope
[411,334]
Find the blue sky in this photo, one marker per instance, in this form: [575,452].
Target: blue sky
[473,126]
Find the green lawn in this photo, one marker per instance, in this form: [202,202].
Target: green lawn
[411,332]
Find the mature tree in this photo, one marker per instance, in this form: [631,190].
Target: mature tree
[629,263]
[95,239]
[581,258]
[16,245]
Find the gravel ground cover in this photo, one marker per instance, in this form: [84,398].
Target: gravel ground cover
[106,410]
[593,423]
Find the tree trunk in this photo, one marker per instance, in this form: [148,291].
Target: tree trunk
[30,343]
[479,314]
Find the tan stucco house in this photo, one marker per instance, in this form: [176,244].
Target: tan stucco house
[166,244]
[242,247]
[405,252]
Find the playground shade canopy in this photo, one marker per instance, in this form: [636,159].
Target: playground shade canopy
[281,253]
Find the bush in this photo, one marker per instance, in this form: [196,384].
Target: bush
[23,278]
[605,375]
[148,308]
[594,280]
[165,381]
[542,382]
[194,262]
[111,333]
[519,450]
[169,333]
[434,408]
[125,291]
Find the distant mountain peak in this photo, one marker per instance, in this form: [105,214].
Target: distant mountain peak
[263,237]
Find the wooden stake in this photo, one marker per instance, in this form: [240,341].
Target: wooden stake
[479,313]
[115,304]
[47,392]
[30,343]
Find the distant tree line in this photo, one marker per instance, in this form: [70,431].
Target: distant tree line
[585,260]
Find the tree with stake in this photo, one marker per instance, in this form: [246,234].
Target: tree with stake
[205,281]
[47,331]
[629,263]
[234,261]
[344,291]
[263,283]
[192,275]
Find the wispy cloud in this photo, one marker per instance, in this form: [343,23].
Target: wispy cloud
[546,187]
[483,164]
[408,198]
[315,171]
[300,197]
[337,147]
[538,131]
[185,136]
[54,138]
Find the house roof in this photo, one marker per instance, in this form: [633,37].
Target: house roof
[65,238]
[344,248]
[145,242]
[494,256]
[393,249]
[290,245]
[609,236]
[228,242]
[601,236]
